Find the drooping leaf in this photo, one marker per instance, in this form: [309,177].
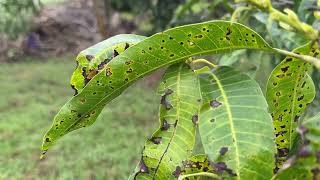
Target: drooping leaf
[235,128]
[162,49]
[173,141]
[93,59]
[289,91]
[306,163]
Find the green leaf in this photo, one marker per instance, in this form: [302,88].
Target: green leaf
[93,59]
[235,127]
[162,49]
[289,91]
[306,163]
[173,141]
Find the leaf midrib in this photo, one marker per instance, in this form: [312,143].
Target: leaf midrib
[178,119]
[230,118]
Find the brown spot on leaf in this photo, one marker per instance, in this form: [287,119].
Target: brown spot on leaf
[195,119]
[102,64]
[108,72]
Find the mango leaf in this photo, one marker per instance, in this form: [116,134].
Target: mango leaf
[162,49]
[289,91]
[173,141]
[235,128]
[93,59]
[306,163]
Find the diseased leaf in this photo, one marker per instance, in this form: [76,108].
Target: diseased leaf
[306,163]
[195,164]
[93,59]
[173,142]
[289,91]
[235,128]
[162,49]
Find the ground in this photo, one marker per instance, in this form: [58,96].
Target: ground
[31,94]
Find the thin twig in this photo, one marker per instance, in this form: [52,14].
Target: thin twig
[203,61]
[310,59]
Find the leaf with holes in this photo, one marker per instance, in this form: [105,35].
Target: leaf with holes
[306,163]
[235,128]
[174,140]
[289,91]
[162,49]
[93,59]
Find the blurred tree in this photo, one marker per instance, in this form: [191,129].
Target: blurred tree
[16,16]
[102,15]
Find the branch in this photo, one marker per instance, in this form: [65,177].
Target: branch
[310,59]
[214,176]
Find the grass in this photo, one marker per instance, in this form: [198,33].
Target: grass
[32,92]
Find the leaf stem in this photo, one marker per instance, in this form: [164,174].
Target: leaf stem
[203,61]
[199,174]
[310,59]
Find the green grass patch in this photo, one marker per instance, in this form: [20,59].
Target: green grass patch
[32,93]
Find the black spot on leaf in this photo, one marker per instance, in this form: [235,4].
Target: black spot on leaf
[129,70]
[283,152]
[75,90]
[164,101]
[126,46]
[285,69]
[223,151]
[115,53]
[108,72]
[288,59]
[89,57]
[220,167]
[177,172]
[165,125]
[156,140]
[214,103]
[143,167]
[195,119]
